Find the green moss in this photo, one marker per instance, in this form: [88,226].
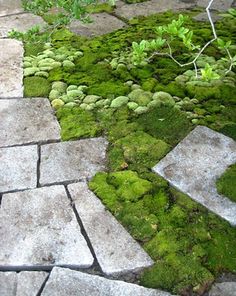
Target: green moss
[149,84]
[226,183]
[36,87]
[172,88]
[77,123]
[33,48]
[229,130]
[167,124]
[109,88]
[99,7]
[138,157]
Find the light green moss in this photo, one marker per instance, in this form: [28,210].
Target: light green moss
[36,87]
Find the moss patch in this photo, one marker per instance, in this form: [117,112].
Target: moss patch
[226,183]
[36,87]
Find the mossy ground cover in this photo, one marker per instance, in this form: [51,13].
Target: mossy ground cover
[226,184]
[189,245]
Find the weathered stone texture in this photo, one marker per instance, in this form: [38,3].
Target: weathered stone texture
[72,161]
[38,229]
[223,289]
[10,7]
[25,121]
[116,251]
[195,164]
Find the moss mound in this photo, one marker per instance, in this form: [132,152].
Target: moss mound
[36,87]
[226,183]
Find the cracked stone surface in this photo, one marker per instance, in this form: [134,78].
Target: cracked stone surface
[72,161]
[223,289]
[103,23]
[39,230]
[65,282]
[150,7]
[18,168]
[109,239]
[20,22]
[220,5]
[10,7]
[25,283]
[11,72]
[195,164]
[25,121]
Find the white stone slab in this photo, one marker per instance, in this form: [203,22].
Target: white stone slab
[10,7]
[19,22]
[18,168]
[102,23]
[116,251]
[223,289]
[66,282]
[38,229]
[195,164]
[11,72]
[30,282]
[25,121]
[72,161]
[147,8]
[8,283]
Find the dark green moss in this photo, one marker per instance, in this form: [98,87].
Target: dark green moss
[226,184]
[36,87]
[99,7]
[109,88]
[229,130]
[77,123]
[33,48]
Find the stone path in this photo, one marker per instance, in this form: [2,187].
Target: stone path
[50,222]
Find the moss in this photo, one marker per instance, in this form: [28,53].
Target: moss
[226,183]
[106,88]
[77,123]
[36,87]
[167,124]
[99,7]
[138,157]
[229,130]
[33,48]
[149,84]
[172,88]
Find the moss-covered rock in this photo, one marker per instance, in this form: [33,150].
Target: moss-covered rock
[226,183]
[119,101]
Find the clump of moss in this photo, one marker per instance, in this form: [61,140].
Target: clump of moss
[77,123]
[109,88]
[226,183]
[36,87]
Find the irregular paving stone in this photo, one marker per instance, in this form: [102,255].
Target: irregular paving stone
[72,161]
[11,72]
[195,164]
[66,282]
[30,282]
[223,289]
[38,229]
[116,251]
[10,7]
[18,168]
[103,23]
[34,118]
[8,283]
[150,7]
[203,17]
[220,5]
[20,22]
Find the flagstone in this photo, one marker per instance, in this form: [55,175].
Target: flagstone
[10,7]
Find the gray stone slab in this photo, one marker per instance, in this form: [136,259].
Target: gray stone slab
[116,251]
[18,168]
[203,17]
[103,23]
[29,283]
[66,282]
[129,11]
[8,283]
[25,121]
[195,164]
[11,72]
[220,5]
[38,230]
[20,22]
[223,289]
[72,161]
[8,7]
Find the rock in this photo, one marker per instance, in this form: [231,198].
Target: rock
[11,72]
[39,230]
[60,86]
[18,168]
[135,86]
[31,116]
[201,158]
[91,99]
[223,289]
[164,97]
[132,105]
[8,283]
[29,283]
[72,87]
[112,253]
[57,103]
[141,97]
[220,5]
[72,161]
[54,94]
[10,7]
[141,110]
[119,101]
